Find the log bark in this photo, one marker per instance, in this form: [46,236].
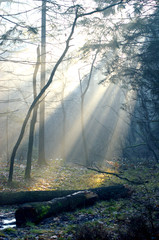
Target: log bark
[104,193]
[35,212]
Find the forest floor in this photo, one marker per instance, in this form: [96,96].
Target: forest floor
[135,218]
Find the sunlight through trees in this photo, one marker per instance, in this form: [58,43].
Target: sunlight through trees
[95,110]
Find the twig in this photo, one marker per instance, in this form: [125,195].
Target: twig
[111,173]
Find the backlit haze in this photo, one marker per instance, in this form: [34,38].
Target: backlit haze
[105,123]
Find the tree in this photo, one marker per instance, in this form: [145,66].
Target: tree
[16,35]
[36,100]
[135,63]
[143,78]
[41,156]
[63,150]
[33,120]
[83,93]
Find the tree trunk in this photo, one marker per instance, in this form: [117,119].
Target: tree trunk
[36,100]
[35,212]
[63,145]
[33,120]
[41,157]
[104,193]
[83,94]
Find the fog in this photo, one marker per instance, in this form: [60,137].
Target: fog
[105,123]
[99,128]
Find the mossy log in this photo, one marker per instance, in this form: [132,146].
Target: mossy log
[104,193]
[35,212]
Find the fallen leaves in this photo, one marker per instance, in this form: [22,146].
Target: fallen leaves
[57,175]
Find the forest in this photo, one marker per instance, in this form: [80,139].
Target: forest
[79,119]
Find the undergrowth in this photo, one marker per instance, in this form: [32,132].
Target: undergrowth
[136,218]
[56,175]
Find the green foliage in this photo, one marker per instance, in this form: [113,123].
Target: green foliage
[30,224]
[125,219]
[112,215]
[38,231]
[2,235]
[43,210]
[10,230]
[70,228]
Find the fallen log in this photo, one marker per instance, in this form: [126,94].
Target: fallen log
[104,193]
[10,198]
[35,212]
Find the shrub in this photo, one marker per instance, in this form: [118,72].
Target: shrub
[92,232]
[135,229]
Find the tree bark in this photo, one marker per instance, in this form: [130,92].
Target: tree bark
[41,155]
[63,145]
[33,121]
[104,193]
[36,212]
[83,94]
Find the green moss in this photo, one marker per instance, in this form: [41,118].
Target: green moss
[71,228]
[59,204]
[39,231]
[2,234]
[30,224]
[9,230]
[43,210]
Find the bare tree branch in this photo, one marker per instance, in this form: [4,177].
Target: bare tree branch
[38,98]
[113,174]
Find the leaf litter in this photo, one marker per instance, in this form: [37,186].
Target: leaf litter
[58,175]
